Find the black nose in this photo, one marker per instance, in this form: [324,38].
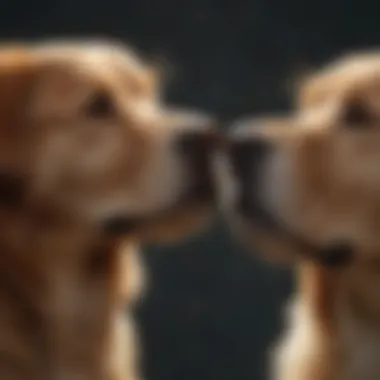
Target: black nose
[197,148]
[195,143]
[248,157]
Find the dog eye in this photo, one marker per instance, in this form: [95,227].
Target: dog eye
[100,107]
[356,115]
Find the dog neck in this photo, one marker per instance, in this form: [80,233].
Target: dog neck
[353,290]
[57,283]
[360,289]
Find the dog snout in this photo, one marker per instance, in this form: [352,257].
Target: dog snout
[248,147]
[198,142]
[248,157]
[196,147]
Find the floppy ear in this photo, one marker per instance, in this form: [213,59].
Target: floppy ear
[320,87]
[17,72]
[312,90]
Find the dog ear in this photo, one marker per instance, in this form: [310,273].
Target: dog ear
[313,89]
[17,72]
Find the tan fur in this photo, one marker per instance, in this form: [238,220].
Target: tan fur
[65,285]
[322,183]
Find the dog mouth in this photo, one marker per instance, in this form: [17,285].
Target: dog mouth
[334,255]
[121,225]
[199,194]
[199,198]
[247,166]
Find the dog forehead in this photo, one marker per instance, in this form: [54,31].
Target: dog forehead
[102,60]
[90,52]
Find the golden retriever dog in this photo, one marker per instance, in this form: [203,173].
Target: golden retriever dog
[92,163]
[306,189]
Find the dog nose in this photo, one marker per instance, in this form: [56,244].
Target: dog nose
[197,148]
[197,143]
[248,155]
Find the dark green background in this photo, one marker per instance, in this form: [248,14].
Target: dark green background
[213,309]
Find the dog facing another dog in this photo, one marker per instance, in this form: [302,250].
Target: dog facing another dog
[306,188]
[90,158]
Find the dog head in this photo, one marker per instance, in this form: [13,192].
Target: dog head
[83,128]
[309,184]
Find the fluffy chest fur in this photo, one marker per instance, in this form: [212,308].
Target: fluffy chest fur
[358,310]
[333,328]
[62,314]
[360,350]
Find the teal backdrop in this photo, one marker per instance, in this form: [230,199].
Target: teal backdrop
[213,308]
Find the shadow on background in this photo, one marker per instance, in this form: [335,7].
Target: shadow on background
[212,310]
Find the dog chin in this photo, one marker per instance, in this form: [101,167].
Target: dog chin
[174,223]
[263,243]
[177,225]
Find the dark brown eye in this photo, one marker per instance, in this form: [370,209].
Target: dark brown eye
[356,115]
[100,107]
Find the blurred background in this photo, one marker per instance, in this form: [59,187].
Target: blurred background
[213,309]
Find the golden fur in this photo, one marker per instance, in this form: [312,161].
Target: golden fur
[320,182]
[84,136]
